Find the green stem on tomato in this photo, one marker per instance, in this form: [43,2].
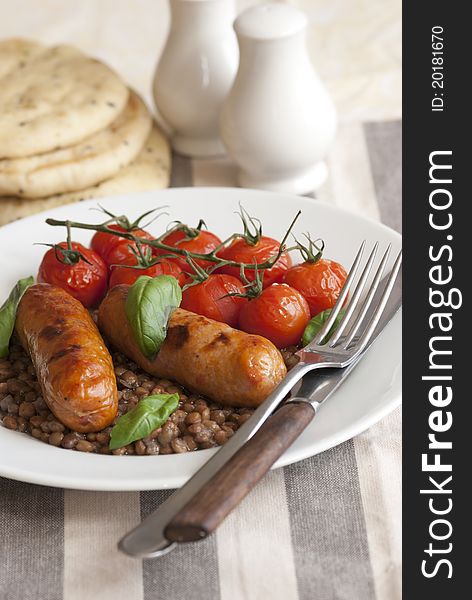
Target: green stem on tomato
[252,238]
[157,243]
[311,252]
[125,223]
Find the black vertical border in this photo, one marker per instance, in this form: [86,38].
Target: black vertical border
[426,131]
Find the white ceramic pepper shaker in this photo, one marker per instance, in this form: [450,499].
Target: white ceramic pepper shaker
[195,72]
[278,121]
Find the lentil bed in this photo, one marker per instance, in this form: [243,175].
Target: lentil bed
[197,423]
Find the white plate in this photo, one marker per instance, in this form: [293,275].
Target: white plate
[370,393]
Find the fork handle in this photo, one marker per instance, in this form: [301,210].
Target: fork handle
[224,491]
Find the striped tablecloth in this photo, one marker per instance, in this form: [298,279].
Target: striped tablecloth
[327,528]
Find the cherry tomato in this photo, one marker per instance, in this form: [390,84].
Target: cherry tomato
[209,299]
[86,282]
[122,254]
[280,314]
[203,243]
[102,242]
[113,248]
[126,275]
[319,282]
[240,251]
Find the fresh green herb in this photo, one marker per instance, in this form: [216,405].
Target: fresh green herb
[149,305]
[149,414]
[8,313]
[316,323]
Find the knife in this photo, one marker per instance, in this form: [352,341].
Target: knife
[148,539]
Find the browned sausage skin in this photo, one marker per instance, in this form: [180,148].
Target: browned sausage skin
[73,365]
[207,357]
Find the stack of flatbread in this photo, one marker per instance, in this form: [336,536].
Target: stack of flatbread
[70,130]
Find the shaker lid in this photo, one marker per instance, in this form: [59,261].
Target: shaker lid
[270,21]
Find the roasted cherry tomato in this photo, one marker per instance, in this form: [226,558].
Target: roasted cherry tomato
[243,252]
[86,282]
[102,242]
[280,314]
[209,298]
[320,283]
[122,254]
[123,274]
[113,248]
[203,243]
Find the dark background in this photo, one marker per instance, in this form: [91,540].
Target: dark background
[424,132]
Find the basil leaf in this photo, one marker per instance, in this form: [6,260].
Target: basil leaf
[149,414]
[150,302]
[8,313]
[316,323]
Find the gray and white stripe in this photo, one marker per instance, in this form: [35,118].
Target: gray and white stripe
[327,528]
[193,568]
[31,542]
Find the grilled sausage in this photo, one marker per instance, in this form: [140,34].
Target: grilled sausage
[205,356]
[73,365]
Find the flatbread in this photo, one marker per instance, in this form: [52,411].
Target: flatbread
[96,158]
[15,51]
[149,171]
[53,97]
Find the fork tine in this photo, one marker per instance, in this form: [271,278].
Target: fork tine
[366,335]
[368,299]
[342,297]
[354,300]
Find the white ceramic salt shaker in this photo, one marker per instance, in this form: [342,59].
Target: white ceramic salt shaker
[278,121]
[195,72]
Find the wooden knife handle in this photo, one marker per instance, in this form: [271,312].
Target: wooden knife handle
[217,498]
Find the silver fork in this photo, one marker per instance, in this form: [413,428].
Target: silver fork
[197,508]
[347,342]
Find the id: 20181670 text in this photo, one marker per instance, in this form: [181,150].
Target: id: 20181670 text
[437,64]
